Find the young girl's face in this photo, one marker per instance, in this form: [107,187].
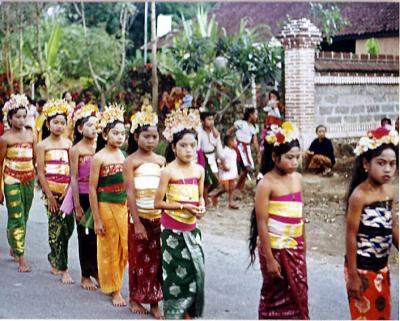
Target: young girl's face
[116,135]
[89,128]
[57,125]
[253,117]
[232,143]
[383,167]
[186,148]
[148,139]
[18,120]
[288,162]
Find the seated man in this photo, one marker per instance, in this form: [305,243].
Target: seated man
[320,156]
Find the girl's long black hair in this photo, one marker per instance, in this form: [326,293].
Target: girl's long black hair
[101,142]
[46,129]
[267,164]
[132,143]
[169,152]
[359,174]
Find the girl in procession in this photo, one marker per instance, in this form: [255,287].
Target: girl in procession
[142,170]
[278,222]
[54,175]
[371,225]
[182,182]
[17,149]
[84,120]
[107,199]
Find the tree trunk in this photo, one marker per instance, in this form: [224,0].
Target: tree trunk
[154,77]
[38,40]
[7,48]
[20,54]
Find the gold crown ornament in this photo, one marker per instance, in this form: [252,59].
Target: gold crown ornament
[83,111]
[375,138]
[179,120]
[144,117]
[283,134]
[109,115]
[54,107]
[15,102]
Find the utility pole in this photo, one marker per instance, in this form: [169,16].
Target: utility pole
[146,6]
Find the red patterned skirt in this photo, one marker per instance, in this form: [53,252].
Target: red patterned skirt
[375,303]
[285,298]
[145,273]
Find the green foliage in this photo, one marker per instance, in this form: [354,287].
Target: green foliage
[192,60]
[329,19]
[372,46]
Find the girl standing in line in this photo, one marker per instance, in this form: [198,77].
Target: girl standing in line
[84,119]
[182,182]
[371,225]
[107,197]
[54,175]
[17,149]
[278,222]
[142,170]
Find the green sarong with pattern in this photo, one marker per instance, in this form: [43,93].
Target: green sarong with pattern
[19,198]
[183,273]
[61,228]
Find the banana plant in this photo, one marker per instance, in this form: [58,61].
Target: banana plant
[45,69]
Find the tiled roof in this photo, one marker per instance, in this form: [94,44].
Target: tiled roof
[365,17]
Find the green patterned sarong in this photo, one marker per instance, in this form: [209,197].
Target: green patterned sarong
[183,273]
[19,198]
[61,228]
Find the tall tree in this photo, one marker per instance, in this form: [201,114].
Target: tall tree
[103,86]
[154,77]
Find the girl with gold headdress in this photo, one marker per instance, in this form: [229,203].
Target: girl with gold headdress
[107,198]
[182,182]
[277,228]
[17,148]
[142,170]
[54,176]
[84,121]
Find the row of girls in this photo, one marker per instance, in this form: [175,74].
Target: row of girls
[114,200]
[118,201]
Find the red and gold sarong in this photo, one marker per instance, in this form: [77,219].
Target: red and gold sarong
[375,302]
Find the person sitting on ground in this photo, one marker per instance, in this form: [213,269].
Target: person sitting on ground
[320,155]
[386,121]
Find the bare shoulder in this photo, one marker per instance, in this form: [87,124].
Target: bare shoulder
[298,177]
[390,191]
[66,142]
[266,182]
[199,169]
[357,197]
[160,159]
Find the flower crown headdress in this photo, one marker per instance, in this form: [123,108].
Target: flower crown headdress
[54,107]
[144,117]
[179,120]
[15,102]
[83,111]
[281,135]
[109,115]
[375,138]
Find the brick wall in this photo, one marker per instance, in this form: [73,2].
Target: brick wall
[354,92]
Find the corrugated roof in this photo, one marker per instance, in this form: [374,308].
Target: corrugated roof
[365,17]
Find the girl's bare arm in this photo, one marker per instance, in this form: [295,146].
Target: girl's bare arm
[93,182]
[73,163]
